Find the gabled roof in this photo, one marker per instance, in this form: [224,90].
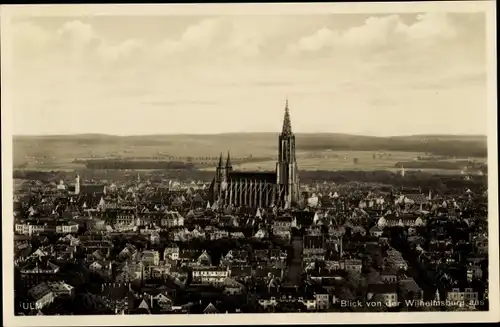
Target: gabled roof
[197,198]
[210,309]
[410,285]
[143,305]
[204,256]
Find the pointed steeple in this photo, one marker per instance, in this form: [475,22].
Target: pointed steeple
[228,161]
[220,161]
[287,125]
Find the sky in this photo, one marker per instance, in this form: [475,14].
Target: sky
[384,74]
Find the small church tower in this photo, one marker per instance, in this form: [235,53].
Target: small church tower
[77,184]
[219,172]
[220,176]
[229,166]
[402,171]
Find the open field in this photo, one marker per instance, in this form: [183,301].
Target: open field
[340,160]
[345,160]
[314,151]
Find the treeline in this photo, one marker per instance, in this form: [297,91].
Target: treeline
[454,148]
[157,163]
[450,165]
[137,164]
[412,179]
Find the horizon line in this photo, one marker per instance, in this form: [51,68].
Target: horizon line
[233,133]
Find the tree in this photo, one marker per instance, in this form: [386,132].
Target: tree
[94,283]
[373,277]
[344,293]
[85,303]
[356,283]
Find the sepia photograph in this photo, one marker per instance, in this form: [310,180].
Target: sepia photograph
[236,163]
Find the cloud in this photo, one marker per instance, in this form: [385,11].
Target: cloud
[124,50]
[74,43]
[322,38]
[241,36]
[83,39]
[435,51]
[77,33]
[378,33]
[213,67]
[433,26]
[200,36]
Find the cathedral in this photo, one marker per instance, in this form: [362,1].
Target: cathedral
[260,189]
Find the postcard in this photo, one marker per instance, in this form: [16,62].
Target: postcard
[249,163]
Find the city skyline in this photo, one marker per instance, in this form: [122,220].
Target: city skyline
[341,72]
[219,163]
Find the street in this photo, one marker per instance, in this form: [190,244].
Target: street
[295,268]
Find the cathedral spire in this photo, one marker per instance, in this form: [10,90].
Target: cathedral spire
[228,161]
[287,125]
[220,161]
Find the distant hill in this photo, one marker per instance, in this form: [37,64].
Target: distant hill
[447,145]
[61,149]
[336,138]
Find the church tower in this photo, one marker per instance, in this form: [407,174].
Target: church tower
[219,176]
[220,170]
[286,167]
[77,184]
[229,166]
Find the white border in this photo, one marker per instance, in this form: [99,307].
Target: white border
[7,12]
[80,10]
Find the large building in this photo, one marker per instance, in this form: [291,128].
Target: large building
[260,189]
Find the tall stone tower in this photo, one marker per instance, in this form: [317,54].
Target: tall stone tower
[286,167]
[220,176]
[77,184]
[229,166]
